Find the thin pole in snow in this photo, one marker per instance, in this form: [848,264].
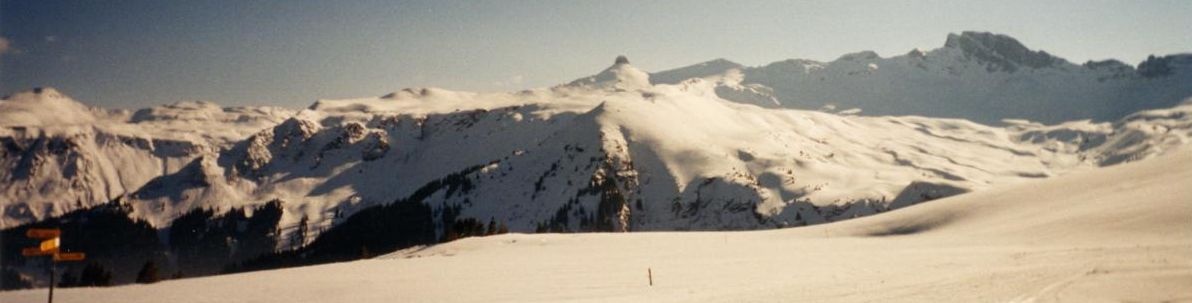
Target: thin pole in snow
[650,274]
[51,300]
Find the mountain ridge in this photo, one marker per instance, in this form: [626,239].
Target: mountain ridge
[614,152]
[715,145]
[316,143]
[979,76]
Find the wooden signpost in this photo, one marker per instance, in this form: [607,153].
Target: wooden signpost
[49,246]
[35,251]
[73,256]
[43,233]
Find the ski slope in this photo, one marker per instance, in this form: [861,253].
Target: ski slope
[1121,233]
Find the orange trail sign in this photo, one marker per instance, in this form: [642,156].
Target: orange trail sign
[43,233]
[48,245]
[35,251]
[69,257]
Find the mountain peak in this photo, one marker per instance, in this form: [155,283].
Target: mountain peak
[621,76]
[43,106]
[36,93]
[47,91]
[860,56]
[621,60]
[985,39]
[1001,52]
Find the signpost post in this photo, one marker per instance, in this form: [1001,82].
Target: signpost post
[49,246]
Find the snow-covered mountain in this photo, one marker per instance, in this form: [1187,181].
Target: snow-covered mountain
[1082,237]
[982,77]
[697,148]
[59,155]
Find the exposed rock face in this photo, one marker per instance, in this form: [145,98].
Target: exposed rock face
[1110,65]
[1001,52]
[1156,67]
[277,143]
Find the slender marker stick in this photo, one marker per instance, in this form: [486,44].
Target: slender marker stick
[51,299]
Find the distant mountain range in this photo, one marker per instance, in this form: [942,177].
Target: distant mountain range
[711,146]
[981,77]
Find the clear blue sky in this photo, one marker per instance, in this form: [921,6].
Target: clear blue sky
[129,54]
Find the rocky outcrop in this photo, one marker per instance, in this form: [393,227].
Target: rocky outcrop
[1000,52]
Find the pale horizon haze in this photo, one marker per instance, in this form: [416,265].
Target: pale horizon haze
[132,54]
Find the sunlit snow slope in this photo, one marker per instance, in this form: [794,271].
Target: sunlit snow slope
[711,146]
[57,154]
[610,152]
[1120,234]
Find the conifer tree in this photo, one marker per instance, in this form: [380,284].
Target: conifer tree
[68,279]
[95,274]
[299,237]
[148,273]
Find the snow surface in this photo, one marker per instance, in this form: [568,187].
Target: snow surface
[1116,234]
[43,107]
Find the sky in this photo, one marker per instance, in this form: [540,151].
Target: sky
[135,53]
